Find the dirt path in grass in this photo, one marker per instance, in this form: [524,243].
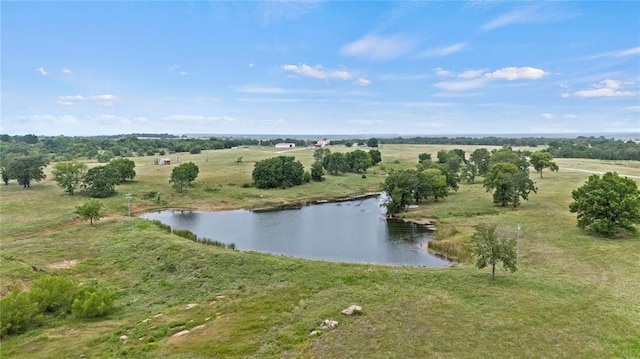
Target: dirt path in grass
[596,172]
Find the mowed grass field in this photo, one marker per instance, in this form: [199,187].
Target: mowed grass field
[574,296]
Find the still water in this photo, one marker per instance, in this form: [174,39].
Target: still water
[354,231]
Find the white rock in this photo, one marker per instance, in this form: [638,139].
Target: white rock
[354,309]
[124,338]
[329,324]
[179,334]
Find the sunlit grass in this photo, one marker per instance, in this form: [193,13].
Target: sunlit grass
[574,296]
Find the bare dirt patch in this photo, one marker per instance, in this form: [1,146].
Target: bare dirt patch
[63,264]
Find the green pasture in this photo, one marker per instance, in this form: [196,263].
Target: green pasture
[575,295]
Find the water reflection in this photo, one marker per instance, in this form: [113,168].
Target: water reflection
[355,231]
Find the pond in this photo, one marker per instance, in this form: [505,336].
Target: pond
[353,231]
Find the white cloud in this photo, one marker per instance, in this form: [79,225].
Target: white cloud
[196,119]
[565,95]
[628,52]
[66,71]
[110,120]
[363,122]
[606,88]
[461,85]
[630,109]
[378,48]
[399,77]
[47,119]
[548,116]
[273,122]
[442,72]
[317,72]
[617,53]
[106,100]
[141,120]
[251,64]
[570,116]
[41,71]
[66,103]
[260,90]
[361,81]
[71,98]
[515,17]
[444,51]
[517,73]
[184,73]
[470,74]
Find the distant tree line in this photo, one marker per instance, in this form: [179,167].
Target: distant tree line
[64,148]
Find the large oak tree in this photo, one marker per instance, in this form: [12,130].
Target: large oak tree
[607,204]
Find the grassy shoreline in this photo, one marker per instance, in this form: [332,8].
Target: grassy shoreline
[574,296]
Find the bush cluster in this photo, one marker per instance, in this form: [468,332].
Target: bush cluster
[50,298]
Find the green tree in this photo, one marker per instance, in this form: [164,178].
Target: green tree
[469,172]
[104,156]
[424,157]
[376,157]
[480,157]
[317,172]
[401,187]
[69,175]
[372,142]
[320,153]
[184,174]
[278,172]
[493,248]
[91,209]
[358,161]
[25,169]
[607,204]
[541,160]
[335,163]
[123,168]
[100,182]
[5,175]
[507,155]
[435,183]
[348,143]
[509,184]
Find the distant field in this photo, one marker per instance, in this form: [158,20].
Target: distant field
[574,296]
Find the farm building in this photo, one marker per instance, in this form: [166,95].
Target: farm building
[285,145]
[322,143]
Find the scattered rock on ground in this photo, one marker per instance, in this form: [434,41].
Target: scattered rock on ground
[124,338]
[190,305]
[181,333]
[329,324]
[354,309]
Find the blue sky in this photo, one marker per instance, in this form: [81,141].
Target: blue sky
[325,68]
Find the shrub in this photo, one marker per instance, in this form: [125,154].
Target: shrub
[54,294]
[19,313]
[51,297]
[93,303]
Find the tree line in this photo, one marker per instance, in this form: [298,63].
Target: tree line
[285,171]
[64,148]
[505,173]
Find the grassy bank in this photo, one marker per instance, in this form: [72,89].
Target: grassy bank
[575,295]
